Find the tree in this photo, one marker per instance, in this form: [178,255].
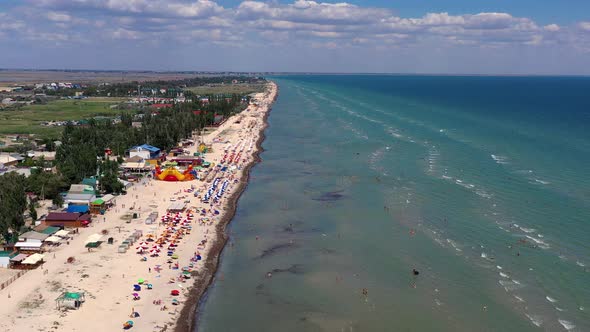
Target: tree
[58,201]
[32,210]
[13,203]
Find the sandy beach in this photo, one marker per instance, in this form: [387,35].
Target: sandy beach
[107,276]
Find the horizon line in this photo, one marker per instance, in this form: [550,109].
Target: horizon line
[291,72]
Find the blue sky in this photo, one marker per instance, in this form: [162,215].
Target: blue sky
[418,36]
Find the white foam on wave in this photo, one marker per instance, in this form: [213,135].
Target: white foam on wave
[527,230]
[504,275]
[550,299]
[498,267]
[510,285]
[454,245]
[566,324]
[535,319]
[540,243]
[502,160]
[520,299]
[542,181]
[482,193]
[578,263]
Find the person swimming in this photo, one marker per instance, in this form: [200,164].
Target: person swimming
[415,272]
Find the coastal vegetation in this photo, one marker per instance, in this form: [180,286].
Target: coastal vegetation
[13,203]
[28,119]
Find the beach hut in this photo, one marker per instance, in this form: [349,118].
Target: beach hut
[98,206]
[33,261]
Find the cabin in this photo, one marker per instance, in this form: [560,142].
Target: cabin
[67,219]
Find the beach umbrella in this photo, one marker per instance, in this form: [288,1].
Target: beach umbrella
[140,281]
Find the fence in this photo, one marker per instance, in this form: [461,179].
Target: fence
[12,279]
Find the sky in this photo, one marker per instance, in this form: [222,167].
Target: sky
[519,37]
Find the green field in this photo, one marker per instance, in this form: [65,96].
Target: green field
[28,119]
[227,88]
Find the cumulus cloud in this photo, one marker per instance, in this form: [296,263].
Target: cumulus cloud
[303,11]
[305,21]
[156,8]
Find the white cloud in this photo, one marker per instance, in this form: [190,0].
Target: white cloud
[303,21]
[552,28]
[154,8]
[58,17]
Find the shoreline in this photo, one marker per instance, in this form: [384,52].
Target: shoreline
[190,311]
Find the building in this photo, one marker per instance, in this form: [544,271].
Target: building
[145,151]
[30,241]
[79,198]
[67,219]
[8,160]
[5,257]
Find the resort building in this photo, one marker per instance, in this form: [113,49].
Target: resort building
[145,151]
[67,219]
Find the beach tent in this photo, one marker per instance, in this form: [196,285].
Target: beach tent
[93,241]
[70,300]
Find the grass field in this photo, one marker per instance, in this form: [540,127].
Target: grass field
[227,88]
[27,120]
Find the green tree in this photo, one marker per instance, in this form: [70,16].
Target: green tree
[58,201]
[32,210]
[13,203]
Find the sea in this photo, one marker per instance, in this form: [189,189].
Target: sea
[413,203]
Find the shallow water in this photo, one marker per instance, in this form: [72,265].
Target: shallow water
[480,183]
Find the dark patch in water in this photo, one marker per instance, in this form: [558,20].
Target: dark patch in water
[294,269]
[328,251]
[330,196]
[276,249]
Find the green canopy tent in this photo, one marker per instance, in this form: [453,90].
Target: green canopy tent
[70,300]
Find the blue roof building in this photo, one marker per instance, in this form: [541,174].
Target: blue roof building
[145,151]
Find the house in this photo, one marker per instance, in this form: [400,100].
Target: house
[79,198]
[90,182]
[8,160]
[5,257]
[17,157]
[67,219]
[81,189]
[144,151]
[30,241]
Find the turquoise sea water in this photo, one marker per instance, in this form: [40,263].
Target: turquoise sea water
[482,184]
